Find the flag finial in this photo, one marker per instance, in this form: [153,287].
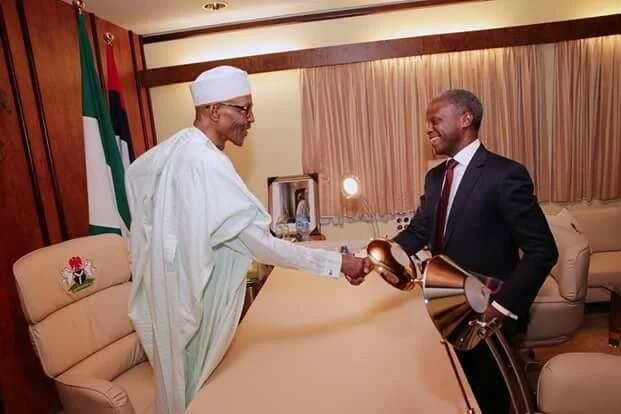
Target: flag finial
[80,5]
[109,38]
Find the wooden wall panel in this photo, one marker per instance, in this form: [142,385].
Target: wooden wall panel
[144,97]
[125,65]
[23,386]
[32,120]
[146,108]
[52,29]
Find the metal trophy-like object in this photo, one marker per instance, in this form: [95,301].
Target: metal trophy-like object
[455,300]
[393,264]
[454,297]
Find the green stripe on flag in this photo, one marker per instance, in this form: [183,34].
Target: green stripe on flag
[94,230]
[93,105]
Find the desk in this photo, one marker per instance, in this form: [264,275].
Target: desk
[313,345]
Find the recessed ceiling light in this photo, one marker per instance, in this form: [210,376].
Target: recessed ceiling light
[215,5]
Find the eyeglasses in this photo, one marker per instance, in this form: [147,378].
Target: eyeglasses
[243,110]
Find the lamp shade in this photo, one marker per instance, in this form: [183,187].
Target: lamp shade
[350,186]
[454,299]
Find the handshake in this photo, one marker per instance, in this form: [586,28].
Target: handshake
[355,269]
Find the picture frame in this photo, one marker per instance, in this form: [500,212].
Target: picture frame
[288,195]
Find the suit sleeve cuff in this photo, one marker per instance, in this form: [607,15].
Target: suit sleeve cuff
[504,310]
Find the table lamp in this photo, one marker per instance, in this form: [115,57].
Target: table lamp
[351,189]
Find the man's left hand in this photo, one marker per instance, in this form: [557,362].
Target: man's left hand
[491,312]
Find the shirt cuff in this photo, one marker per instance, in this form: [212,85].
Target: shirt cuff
[504,310]
[332,265]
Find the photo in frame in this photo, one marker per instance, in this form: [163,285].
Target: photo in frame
[291,196]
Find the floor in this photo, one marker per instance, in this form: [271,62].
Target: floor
[592,336]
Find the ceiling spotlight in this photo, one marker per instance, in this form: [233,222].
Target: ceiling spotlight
[215,5]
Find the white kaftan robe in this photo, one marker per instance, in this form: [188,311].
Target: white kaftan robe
[195,229]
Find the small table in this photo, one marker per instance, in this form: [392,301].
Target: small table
[614,321]
[255,279]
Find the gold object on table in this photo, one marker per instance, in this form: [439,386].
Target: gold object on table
[454,297]
[393,264]
[455,300]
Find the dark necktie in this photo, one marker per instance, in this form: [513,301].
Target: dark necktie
[443,204]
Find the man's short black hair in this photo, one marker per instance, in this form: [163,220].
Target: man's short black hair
[466,101]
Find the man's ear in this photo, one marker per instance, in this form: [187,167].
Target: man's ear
[208,112]
[466,120]
[213,112]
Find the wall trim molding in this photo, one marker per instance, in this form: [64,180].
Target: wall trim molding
[387,49]
[302,18]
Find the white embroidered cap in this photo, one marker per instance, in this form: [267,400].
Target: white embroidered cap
[219,84]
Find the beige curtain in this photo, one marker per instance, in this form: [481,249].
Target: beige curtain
[586,160]
[511,85]
[368,119]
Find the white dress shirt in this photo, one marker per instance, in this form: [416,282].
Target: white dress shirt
[463,158]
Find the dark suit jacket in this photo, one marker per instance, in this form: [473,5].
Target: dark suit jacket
[494,215]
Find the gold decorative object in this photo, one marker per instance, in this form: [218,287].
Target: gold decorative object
[108,38]
[393,264]
[455,300]
[80,5]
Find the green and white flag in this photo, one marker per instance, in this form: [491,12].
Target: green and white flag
[108,211]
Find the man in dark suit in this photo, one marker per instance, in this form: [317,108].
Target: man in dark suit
[479,209]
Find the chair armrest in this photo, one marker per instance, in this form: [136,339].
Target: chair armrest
[82,394]
[572,269]
[578,383]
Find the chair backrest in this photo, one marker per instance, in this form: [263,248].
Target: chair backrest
[601,226]
[75,298]
[572,268]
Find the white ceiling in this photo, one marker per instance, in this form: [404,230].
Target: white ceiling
[159,16]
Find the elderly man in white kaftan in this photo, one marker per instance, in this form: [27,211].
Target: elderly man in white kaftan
[195,230]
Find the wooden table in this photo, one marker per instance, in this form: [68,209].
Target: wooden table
[312,345]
